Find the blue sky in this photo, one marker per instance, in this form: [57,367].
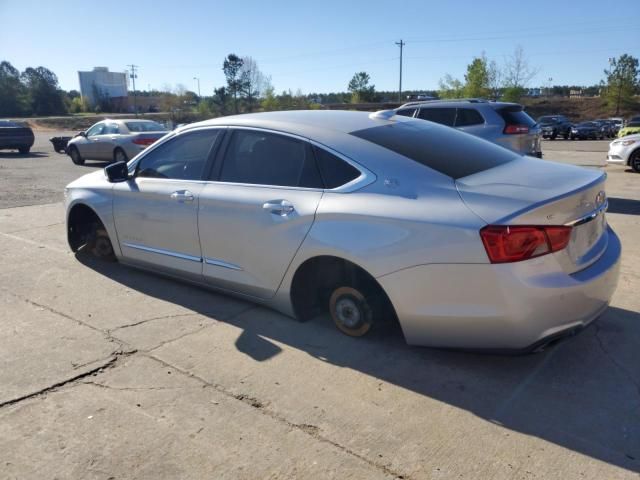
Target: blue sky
[316,46]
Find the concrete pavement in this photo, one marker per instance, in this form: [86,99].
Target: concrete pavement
[109,372]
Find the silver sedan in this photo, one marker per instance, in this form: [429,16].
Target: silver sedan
[371,218]
[114,140]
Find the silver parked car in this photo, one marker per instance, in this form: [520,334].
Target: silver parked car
[506,124]
[114,140]
[367,216]
[625,151]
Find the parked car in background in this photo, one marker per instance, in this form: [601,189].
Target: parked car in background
[618,123]
[606,128]
[114,140]
[625,151]
[367,217]
[586,131]
[506,124]
[631,127]
[554,126]
[14,136]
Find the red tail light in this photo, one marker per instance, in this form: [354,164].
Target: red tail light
[505,243]
[144,141]
[516,129]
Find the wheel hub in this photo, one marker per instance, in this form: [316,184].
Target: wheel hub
[348,312]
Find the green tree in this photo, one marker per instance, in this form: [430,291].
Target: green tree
[13,94]
[220,100]
[44,95]
[269,100]
[236,82]
[477,78]
[360,89]
[450,87]
[622,80]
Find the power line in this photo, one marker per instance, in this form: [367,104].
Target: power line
[400,44]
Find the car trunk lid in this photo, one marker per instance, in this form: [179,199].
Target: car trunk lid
[530,192]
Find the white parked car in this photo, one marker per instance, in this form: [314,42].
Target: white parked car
[625,151]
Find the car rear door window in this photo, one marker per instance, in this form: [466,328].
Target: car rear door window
[264,158]
[111,129]
[181,158]
[443,116]
[467,117]
[444,150]
[335,172]
[406,112]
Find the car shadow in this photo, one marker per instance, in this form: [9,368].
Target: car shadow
[19,155]
[624,205]
[582,393]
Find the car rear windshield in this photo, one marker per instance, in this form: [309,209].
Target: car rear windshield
[515,115]
[443,149]
[145,127]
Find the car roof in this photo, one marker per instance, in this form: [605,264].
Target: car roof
[303,122]
[459,102]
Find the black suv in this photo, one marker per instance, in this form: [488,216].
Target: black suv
[554,125]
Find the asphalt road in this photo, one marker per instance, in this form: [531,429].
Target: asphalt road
[112,373]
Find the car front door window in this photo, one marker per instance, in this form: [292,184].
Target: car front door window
[96,130]
[181,158]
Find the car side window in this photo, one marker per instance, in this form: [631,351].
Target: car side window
[97,129]
[406,112]
[111,129]
[263,158]
[181,158]
[444,116]
[335,171]
[467,117]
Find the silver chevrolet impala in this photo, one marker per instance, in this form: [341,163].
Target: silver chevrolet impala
[369,217]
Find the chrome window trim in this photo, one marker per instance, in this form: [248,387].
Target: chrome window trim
[220,263]
[161,251]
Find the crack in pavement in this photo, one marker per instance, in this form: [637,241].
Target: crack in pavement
[37,244]
[109,363]
[140,322]
[311,430]
[33,228]
[126,350]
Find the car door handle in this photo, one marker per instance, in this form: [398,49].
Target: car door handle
[182,196]
[279,207]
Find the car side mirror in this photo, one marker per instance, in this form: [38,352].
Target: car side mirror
[81,134]
[117,172]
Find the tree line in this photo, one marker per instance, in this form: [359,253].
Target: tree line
[35,91]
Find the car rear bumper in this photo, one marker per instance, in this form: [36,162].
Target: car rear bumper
[506,307]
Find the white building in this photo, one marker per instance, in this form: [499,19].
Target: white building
[102,82]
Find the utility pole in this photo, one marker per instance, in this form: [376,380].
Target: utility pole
[198,79]
[400,44]
[133,77]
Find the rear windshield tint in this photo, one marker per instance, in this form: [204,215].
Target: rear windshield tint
[516,116]
[443,149]
[145,127]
